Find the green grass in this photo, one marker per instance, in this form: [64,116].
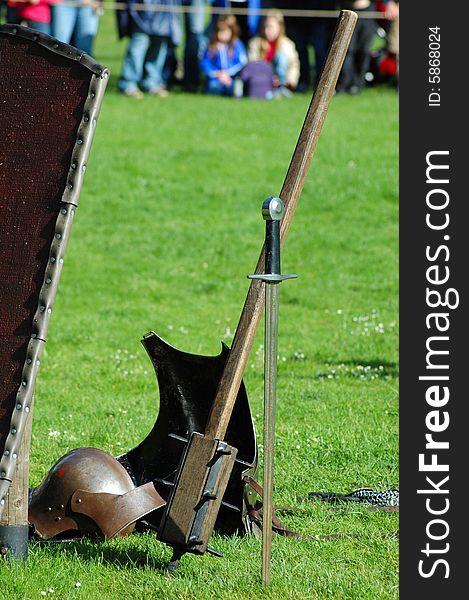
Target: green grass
[167,229]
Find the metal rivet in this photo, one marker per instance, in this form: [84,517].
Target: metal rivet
[73,166]
[92,94]
[64,211]
[58,518]
[79,141]
[61,261]
[38,362]
[14,456]
[49,508]
[86,119]
[7,453]
[13,431]
[52,259]
[78,500]
[26,409]
[58,236]
[49,310]
[83,168]
[42,308]
[19,406]
[48,280]
[106,75]
[2,501]
[29,361]
[55,46]
[33,336]
[15,30]
[70,186]
[24,383]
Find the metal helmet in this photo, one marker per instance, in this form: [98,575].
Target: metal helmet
[86,492]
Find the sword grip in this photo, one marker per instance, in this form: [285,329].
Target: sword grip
[273,210]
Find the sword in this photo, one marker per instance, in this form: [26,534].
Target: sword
[273,210]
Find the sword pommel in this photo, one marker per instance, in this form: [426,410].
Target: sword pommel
[273,209]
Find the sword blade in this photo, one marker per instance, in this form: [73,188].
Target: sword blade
[272,292]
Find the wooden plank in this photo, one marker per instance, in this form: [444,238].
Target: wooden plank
[16,506]
[192,481]
[180,513]
[218,491]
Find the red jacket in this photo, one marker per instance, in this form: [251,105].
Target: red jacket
[38,10]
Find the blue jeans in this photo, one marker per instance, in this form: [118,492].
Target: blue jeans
[143,62]
[39,26]
[36,25]
[75,25]
[280,65]
[215,87]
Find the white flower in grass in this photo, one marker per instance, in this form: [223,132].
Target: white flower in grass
[228,333]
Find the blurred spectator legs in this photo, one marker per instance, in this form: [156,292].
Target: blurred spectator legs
[357,61]
[310,31]
[143,64]
[76,25]
[280,65]
[37,25]
[194,23]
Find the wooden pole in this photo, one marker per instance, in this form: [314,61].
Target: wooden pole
[14,527]
[227,392]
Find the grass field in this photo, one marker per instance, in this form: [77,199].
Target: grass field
[168,227]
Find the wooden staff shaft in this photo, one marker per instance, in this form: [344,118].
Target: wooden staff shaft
[230,382]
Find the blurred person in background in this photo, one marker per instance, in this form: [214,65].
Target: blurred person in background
[194,27]
[76,23]
[357,61]
[248,23]
[150,33]
[35,14]
[310,31]
[224,58]
[273,46]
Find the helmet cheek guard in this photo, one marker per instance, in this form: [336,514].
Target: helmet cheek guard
[88,492]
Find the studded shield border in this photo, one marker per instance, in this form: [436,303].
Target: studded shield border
[69,202]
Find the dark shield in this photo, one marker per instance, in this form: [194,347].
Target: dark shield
[188,383]
[50,95]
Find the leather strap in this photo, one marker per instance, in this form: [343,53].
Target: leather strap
[254,514]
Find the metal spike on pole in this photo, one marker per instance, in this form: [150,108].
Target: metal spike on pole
[273,210]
